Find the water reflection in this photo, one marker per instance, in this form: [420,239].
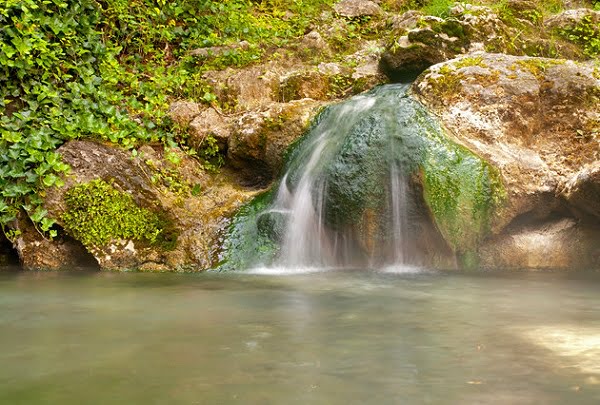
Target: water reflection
[579,347]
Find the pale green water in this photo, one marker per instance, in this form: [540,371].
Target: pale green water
[321,338]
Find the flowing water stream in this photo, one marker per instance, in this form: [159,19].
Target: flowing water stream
[336,337]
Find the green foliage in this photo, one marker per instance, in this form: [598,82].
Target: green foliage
[107,69]
[438,8]
[586,34]
[52,61]
[97,213]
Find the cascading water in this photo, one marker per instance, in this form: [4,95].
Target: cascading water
[315,234]
[375,182]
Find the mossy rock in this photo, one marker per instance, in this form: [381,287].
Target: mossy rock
[352,180]
[97,214]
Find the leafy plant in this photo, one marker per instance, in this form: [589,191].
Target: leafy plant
[586,34]
[107,69]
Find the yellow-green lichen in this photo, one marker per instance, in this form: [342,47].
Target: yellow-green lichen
[538,67]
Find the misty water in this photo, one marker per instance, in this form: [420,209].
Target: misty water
[266,337]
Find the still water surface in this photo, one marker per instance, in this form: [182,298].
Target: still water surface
[338,337]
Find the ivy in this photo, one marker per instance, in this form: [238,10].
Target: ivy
[107,70]
[52,63]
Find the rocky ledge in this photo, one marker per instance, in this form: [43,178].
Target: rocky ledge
[537,121]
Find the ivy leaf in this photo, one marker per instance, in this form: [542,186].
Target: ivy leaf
[49,180]
[23,46]
[8,50]
[38,214]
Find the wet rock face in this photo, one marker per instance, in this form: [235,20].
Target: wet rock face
[259,140]
[582,192]
[560,243]
[537,121]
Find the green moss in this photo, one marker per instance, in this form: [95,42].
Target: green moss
[446,81]
[461,190]
[469,61]
[97,213]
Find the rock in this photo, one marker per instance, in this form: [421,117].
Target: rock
[219,50]
[569,19]
[357,8]
[403,22]
[183,112]
[330,69]
[253,87]
[304,84]
[210,123]
[422,41]
[314,44]
[194,207]
[554,244]
[582,191]
[536,120]
[524,8]
[38,253]
[260,139]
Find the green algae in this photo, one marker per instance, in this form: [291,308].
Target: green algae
[249,240]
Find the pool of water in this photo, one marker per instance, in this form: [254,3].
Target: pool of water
[331,337]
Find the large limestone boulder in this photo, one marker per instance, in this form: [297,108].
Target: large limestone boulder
[538,122]
[191,204]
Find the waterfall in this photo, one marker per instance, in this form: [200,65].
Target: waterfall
[309,241]
[374,183]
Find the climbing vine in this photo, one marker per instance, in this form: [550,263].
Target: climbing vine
[106,69]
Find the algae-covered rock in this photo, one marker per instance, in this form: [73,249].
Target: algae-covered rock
[536,121]
[364,161]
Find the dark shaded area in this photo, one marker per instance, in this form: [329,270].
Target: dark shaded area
[9,259]
[252,173]
[407,73]
[81,259]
